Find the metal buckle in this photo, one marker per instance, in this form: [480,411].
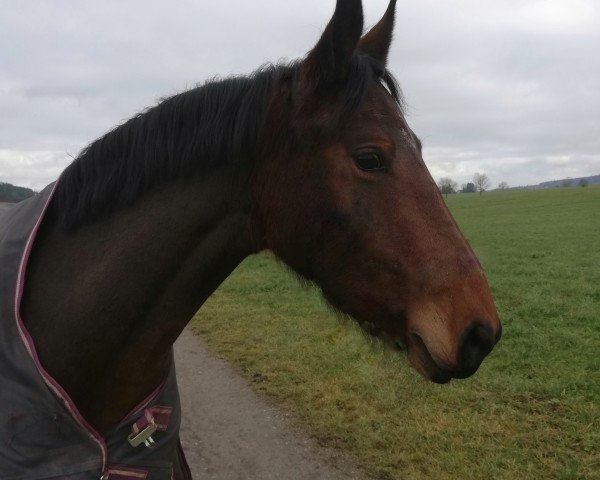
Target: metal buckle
[143,436]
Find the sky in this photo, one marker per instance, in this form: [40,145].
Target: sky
[503,87]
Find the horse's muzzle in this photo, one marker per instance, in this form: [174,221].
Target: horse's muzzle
[476,342]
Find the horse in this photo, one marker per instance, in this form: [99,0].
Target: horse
[102,270]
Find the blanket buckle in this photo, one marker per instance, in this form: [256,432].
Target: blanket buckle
[142,431]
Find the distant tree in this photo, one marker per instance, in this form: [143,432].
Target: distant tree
[567,182]
[583,182]
[502,186]
[481,181]
[467,188]
[447,185]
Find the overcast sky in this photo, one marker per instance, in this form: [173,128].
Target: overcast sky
[506,87]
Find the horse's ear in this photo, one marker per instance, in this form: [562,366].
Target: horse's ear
[376,43]
[329,61]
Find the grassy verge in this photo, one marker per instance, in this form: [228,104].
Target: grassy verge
[531,412]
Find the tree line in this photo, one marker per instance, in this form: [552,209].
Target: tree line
[13,194]
[481,182]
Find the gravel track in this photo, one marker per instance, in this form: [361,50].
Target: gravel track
[231,433]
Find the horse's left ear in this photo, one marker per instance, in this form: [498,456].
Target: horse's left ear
[329,61]
[376,43]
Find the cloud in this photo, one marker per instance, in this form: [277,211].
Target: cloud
[17,166]
[513,84]
[511,88]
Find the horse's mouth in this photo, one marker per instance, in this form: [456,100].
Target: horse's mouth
[422,361]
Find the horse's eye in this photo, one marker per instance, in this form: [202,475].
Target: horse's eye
[370,162]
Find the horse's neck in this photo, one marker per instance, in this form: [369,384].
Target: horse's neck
[105,304]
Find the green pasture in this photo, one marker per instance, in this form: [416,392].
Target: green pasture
[531,412]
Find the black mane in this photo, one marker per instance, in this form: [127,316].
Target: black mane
[209,126]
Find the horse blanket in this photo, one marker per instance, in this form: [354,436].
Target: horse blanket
[42,433]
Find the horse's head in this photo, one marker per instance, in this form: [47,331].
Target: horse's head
[343,197]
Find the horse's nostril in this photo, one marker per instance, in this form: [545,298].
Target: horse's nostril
[477,341]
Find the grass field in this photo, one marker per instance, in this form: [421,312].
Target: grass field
[531,412]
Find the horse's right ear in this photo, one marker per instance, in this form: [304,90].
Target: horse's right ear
[329,61]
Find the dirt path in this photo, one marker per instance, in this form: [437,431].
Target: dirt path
[231,433]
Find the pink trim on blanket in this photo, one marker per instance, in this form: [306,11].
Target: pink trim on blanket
[30,346]
[126,473]
[144,403]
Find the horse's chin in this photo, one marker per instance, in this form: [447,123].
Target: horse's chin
[419,357]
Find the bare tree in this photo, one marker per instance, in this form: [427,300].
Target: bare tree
[502,186]
[583,182]
[481,181]
[447,185]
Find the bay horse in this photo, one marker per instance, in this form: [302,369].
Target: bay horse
[312,160]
